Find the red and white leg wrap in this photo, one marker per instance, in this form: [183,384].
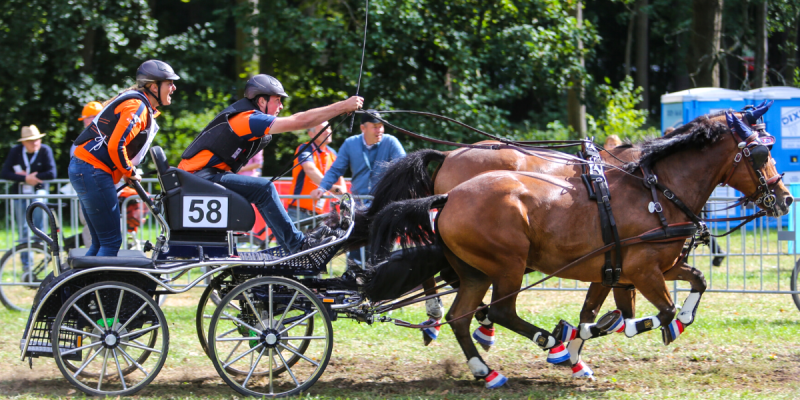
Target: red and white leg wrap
[558,354]
[674,329]
[495,379]
[617,327]
[431,332]
[484,335]
[581,370]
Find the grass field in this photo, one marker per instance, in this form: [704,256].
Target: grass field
[741,346]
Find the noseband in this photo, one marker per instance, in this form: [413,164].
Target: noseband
[756,148]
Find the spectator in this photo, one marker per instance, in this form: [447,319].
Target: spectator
[365,155]
[315,160]
[253,167]
[611,142]
[29,164]
[91,109]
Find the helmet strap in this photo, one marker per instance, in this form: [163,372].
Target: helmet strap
[158,93]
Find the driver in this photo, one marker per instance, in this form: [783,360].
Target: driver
[241,131]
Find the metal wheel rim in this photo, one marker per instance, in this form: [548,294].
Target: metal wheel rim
[107,361]
[260,358]
[20,298]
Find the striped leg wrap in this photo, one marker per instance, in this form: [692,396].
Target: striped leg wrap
[565,332]
[558,354]
[672,331]
[431,332]
[484,335]
[581,370]
[618,326]
[494,380]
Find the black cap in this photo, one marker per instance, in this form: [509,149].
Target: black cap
[369,118]
[155,70]
[263,85]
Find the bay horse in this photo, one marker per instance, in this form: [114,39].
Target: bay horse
[499,225]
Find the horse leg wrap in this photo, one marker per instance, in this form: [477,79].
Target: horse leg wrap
[484,336]
[634,327]
[611,322]
[479,370]
[565,331]
[581,370]
[431,332]
[671,332]
[575,347]
[590,331]
[689,309]
[434,308]
[558,352]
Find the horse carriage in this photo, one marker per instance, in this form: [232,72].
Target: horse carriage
[264,319]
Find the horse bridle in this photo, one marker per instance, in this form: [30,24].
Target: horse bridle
[756,147]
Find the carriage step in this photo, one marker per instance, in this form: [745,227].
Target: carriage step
[257,256]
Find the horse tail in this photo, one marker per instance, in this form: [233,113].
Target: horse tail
[405,178]
[404,271]
[408,220]
[359,237]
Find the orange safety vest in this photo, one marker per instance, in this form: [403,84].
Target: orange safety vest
[302,184]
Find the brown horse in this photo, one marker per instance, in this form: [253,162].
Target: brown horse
[497,226]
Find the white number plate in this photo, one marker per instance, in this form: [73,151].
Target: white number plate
[205,212]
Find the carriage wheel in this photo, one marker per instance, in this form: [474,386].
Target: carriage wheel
[205,310]
[794,284]
[259,326]
[17,286]
[123,322]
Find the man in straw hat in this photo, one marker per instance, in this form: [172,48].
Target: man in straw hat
[29,164]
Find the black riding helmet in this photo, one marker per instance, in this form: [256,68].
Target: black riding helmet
[155,71]
[263,85]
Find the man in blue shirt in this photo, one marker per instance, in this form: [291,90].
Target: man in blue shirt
[366,155]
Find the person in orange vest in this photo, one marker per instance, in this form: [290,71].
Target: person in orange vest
[315,160]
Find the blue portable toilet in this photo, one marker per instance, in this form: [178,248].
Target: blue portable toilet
[783,121]
[678,108]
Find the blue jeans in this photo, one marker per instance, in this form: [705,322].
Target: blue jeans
[262,193]
[98,197]
[20,210]
[297,214]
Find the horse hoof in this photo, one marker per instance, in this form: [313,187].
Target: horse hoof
[581,370]
[495,379]
[559,355]
[485,337]
[611,322]
[430,334]
[671,332]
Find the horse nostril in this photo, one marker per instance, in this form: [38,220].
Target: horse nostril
[788,201]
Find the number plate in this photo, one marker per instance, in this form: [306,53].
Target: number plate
[205,212]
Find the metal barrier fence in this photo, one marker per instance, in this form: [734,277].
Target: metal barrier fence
[759,258]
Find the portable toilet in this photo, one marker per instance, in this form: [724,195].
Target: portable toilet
[783,121]
[681,107]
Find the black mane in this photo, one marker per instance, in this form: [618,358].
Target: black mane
[698,133]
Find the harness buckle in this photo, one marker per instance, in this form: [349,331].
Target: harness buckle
[746,151]
[737,158]
[770,200]
[668,194]
[652,179]
[762,180]
[654,207]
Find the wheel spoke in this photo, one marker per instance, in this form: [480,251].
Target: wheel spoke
[80,332]
[119,305]
[232,351]
[302,337]
[270,307]
[81,348]
[300,355]
[83,314]
[139,332]
[271,391]
[253,368]
[102,311]
[119,370]
[255,312]
[242,322]
[313,313]
[103,370]
[85,363]
[289,307]
[227,333]
[125,353]
[136,346]
[242,355]
[288,368]
[235,339]
[136,314]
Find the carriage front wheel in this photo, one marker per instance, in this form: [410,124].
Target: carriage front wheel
[259,327]
[127,331]
[795,284]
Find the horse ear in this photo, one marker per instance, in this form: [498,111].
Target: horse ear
[737,126]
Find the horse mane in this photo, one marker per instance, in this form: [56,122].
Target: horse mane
[699,133]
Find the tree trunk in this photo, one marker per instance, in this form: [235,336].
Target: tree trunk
[705,42]
[87,53]
[791,51]
[576,110]
[642,49]
[247,43]
[760,78]
[629,42]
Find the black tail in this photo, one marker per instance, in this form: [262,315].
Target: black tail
[403,271]
[407,220]
[405,178]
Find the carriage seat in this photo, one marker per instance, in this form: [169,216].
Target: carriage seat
[196,207]
[77,259]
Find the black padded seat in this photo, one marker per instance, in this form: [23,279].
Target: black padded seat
[129,262]
[81,252]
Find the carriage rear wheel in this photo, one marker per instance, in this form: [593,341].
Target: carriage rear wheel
[129,334]
[795,284]
[259,327]
[21,270]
